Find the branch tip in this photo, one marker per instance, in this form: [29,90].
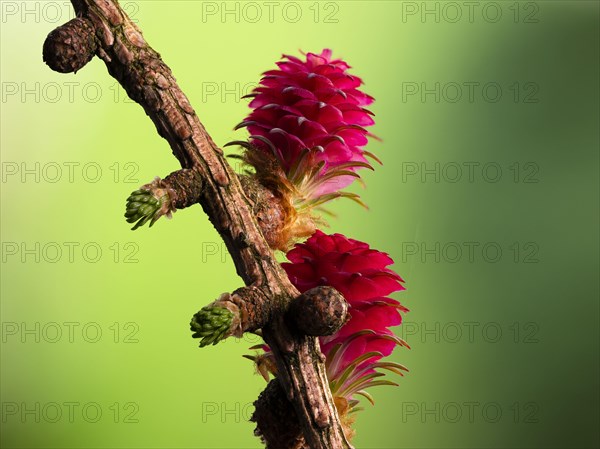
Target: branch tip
[71,46]
[211,324]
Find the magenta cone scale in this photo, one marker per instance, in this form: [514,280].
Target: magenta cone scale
[361,274]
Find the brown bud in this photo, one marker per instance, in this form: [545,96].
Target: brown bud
[319,311]
[71,46]
[276,421]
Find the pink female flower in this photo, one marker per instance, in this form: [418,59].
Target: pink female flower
[309,117]
[354,353]
[360,273]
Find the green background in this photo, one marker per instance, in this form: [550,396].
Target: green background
[510,337]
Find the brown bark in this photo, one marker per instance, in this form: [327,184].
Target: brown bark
[148,81]
[186,187]
[268,208]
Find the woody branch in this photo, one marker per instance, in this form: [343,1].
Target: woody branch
[102,29]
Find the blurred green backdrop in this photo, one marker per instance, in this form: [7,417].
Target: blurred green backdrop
[487,201]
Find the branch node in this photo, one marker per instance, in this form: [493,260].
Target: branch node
[71,46]
[319,311]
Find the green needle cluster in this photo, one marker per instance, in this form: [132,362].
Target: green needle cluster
[211,324]
[142,206]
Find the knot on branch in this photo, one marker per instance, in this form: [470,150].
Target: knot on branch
[70,46]
[276,421]
[319,311]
